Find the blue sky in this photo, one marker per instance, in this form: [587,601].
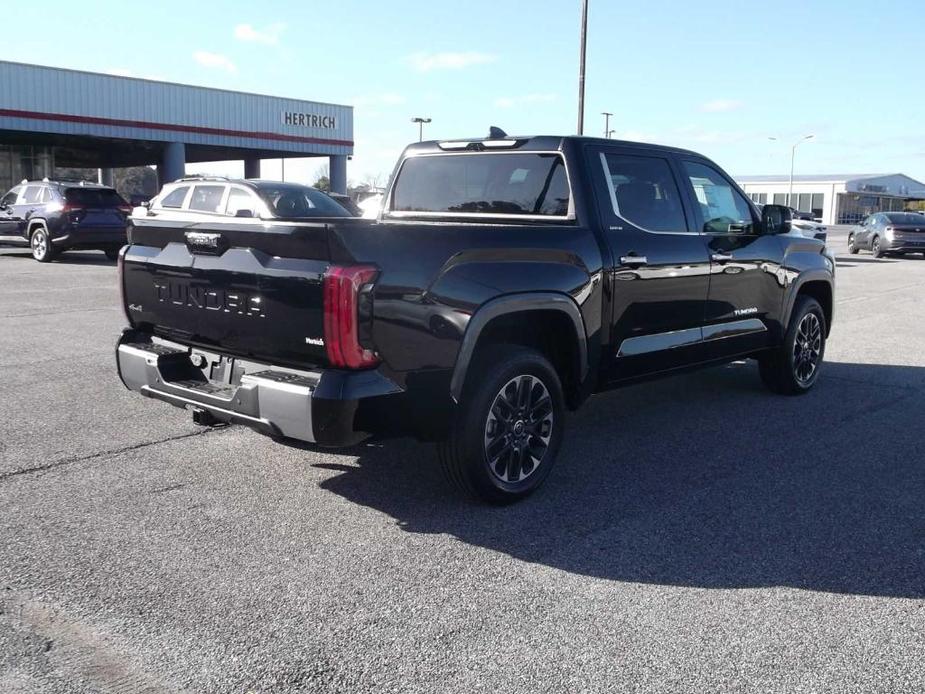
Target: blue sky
[716,76]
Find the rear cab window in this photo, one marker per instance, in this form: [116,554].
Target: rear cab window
[533,184]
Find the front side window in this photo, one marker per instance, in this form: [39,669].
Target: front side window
[11,197]
[533,184]
[206,198]
[724,209]
[643,191]
[175,198]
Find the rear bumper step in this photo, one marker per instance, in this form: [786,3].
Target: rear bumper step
[312,406]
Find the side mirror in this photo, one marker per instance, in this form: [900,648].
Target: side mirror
[244,212]
[776,219]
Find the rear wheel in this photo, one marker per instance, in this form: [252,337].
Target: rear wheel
[792,368]
[509,425]
[877,248]
[40,244]
[852,248]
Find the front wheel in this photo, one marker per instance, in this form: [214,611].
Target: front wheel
[852,247]
[876,247]
[792,368]
[508,428]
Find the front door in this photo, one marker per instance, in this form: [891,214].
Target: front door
[744,304]
[9,222]
[661,267]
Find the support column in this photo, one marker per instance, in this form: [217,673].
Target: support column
[251,168]
[338,173]
[173,163]
[107,177]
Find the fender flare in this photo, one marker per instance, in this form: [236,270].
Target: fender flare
[516,303]
[817,275]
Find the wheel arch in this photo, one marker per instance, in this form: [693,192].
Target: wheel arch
[819,286]
[519,319]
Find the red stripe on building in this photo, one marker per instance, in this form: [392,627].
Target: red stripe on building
[200,130]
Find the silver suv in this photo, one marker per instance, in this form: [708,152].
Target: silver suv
[197,198]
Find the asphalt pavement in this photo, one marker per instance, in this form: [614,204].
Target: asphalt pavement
[698,533]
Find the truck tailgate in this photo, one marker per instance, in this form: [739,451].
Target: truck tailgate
[252,290]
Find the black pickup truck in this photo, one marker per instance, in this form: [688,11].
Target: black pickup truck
[506,280]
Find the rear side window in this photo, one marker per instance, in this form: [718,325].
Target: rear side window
[93,197]
[32,194]
[207,198]
[484,183]
[643,191]
[175,197]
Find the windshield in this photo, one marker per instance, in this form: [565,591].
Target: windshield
[485,183]
[906,218]
[290,201]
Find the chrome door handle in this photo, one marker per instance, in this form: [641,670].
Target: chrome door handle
[721,258]
[634,260]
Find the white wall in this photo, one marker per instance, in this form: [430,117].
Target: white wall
[828,190]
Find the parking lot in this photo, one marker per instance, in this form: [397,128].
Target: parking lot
[698,533]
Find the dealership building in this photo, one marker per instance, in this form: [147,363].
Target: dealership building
[836,199]
[51,117]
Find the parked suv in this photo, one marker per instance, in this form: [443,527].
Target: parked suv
[56,216]
[893,233]
[506,280]
[215,198]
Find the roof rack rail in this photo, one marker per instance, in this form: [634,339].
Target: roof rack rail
[203,177]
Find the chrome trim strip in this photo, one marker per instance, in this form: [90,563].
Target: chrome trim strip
[644,344]
[733,329]
[657,342]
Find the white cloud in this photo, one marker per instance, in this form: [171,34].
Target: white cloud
[511,101]
[426,62]
[216,60]
[268,35]
[721,105]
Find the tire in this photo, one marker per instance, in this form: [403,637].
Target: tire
[40,244]
[876,247]
[489,445]
[112,253]
[852,249]
[793,367]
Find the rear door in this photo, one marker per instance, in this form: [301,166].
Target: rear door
[745,297]
[661,268]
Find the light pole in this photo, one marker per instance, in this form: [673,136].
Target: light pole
[610,133]
[420,122]
[793,154]
[581,67]
[607,129]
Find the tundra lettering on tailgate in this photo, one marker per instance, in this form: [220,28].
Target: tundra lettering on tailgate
[181,293]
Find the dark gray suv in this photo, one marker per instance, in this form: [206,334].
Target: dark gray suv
[893,233]
[56,216]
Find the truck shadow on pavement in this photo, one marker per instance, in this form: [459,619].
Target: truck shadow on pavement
[705,481]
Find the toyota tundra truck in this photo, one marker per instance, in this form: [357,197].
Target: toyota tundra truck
[505,281]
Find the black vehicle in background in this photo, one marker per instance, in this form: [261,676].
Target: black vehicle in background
[56,216]
[506,281]
[889,233]
[347,203]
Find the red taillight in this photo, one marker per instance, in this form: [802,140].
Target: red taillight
[342,287]
[70,207]
[125,209]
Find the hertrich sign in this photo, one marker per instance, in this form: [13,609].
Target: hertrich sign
[309,120]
